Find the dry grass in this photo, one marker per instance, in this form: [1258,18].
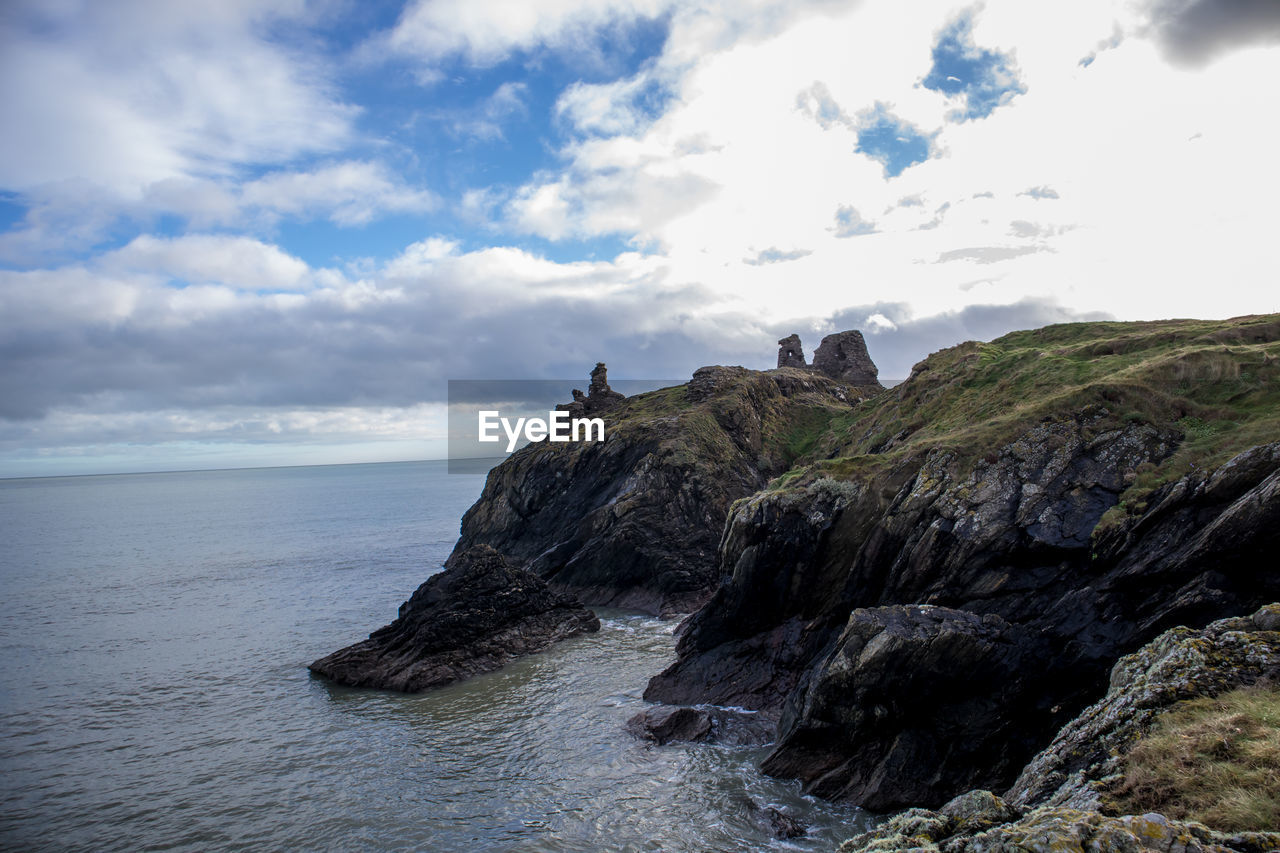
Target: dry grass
[1215,760]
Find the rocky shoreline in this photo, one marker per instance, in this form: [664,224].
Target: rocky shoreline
[920,585]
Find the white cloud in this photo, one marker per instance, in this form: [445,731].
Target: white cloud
[128,94]
[350,193]
[240,263]
[483,33]
[1102,164]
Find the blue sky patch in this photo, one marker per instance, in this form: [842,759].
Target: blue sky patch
[981,79]
[892,141]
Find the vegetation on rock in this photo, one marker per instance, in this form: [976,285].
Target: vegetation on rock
[1213,760]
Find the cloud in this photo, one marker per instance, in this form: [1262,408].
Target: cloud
[1193,33]
[989,254]
[774,255]
[981,79]
[486,120]
[486,33]
[849,223]
[1041,192]
[133,93]
[75,215]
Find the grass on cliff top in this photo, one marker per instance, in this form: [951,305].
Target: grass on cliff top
[1213,760]
[1215,383]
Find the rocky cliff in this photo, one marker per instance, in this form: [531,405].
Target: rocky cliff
[634,521]
[931,602]
[1061,798]
[922,583]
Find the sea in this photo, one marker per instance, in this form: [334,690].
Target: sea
[155,631]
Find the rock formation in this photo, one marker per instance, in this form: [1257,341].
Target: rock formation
[1050,605]
[634,521]
[1182,663]
[790,353]
[842,356]
[471,618]
[599,397]
[725,726]
[1058,801]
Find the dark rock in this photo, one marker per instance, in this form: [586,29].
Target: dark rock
[1180,664]
[774,821]
[599,397]
[634,521]
[723,726]
[1012,538]
[892,714]
[471,618]
[667,723]
[790,352]
[844,356]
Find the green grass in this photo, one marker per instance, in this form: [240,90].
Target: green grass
[1213,384]
[1216,761]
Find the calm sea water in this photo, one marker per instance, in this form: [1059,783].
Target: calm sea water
[154,636]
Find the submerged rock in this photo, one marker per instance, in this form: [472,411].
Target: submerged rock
[774,821]
[664,724]
[471,618]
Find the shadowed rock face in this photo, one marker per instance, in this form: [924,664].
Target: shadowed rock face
[634,521]
[471,618]
[844,356]
[893,707]
[1058,802]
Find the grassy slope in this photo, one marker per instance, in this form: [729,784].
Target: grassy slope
[1212,760]
[1217,383]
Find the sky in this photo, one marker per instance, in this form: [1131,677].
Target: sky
[268,232]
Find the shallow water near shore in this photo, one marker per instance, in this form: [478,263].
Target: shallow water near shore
[154,636]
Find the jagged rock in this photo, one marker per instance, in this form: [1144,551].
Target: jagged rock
[844,356]
[790,352]
[634,521]
[1012,538]
[599,397]
[774,821]
[909,702]
[1181,663]
[667,723]
[724,726]
[471,618]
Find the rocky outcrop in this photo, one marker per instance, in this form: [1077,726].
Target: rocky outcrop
[599,397]
[471,618]
[980,822]
[1088,753]
[1059,799]
[896,713]
[634,521]
[1048,605]
[844,356]
[791,352]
